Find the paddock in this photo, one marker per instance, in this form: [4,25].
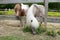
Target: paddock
[10,29]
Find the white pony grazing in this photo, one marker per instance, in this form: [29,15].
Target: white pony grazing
[31,20]
[34,11]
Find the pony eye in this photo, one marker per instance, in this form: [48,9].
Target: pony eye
[31,20]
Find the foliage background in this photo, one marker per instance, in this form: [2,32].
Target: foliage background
[53,5]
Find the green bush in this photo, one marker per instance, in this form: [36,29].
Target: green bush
[3,6]
[54,5]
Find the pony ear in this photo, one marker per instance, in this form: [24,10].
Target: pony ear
[37,7]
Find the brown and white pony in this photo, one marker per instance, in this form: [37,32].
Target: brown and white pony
[20,10]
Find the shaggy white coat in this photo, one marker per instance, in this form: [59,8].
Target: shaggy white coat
[30,16]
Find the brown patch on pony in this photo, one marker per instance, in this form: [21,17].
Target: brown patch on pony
[22,13]
[18,8]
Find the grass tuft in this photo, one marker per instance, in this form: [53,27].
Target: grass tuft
[39,30]
[27,29]
[51,33]
[58,32]
[9,38]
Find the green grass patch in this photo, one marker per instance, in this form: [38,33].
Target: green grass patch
[58,32]
[2,12]
[11,12]
[12,37]
[39,30]
[27,29]
[51,33]
[54,14]
[9,38]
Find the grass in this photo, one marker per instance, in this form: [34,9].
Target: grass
[11,12]
[40,30]
[7,38]
[54,14]
[58,32]
[10,38]
[23,38]
[28,36]
[18,34]
[51,33]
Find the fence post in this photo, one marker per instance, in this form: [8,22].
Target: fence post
[46,11]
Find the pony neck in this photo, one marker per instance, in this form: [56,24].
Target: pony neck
[30,11]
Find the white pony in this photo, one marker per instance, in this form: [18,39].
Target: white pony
[34,10]
[31,20]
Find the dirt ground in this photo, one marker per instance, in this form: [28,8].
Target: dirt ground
[10,27]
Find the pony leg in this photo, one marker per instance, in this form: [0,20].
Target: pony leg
[22,21]
[41,20]
[17,17]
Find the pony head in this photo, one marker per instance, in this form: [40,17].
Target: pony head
[18,9]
